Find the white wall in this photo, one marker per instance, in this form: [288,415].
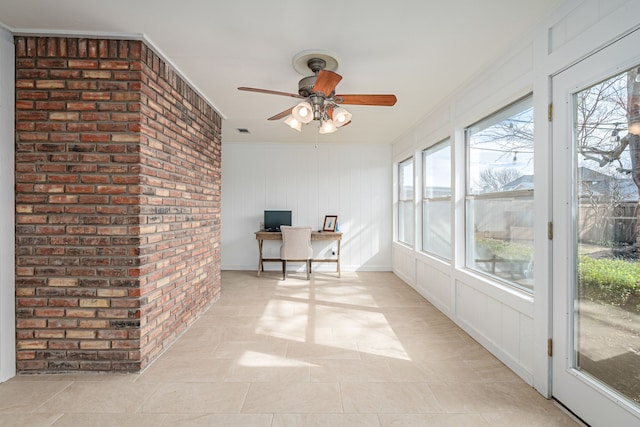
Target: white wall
[7,257]
[311,180]
[513,325]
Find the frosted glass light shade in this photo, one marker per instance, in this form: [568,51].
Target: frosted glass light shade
[293,123]
[341,116]
[302,112]
[327,127]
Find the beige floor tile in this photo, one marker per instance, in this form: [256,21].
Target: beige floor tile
[492,370]
[278,308]
[88,376]
[193,348]
[236,321]
[406,370]
[391,348]
[331,349]
[448,371]
[529,419]
[363,336]
[433,420]
[18,396]
[176,369]
[519,396]
[465,397]
[217,309]
[28,420]
[357,320]
[275,369]
[250,350]
[98,397]
[252,333]
[351,371]
[296,329]
[386,397]
[200,330]
[203,398]
[293,398]
[325,420]
[226,420]
[244,300]
[429,353]
[489,397]
[345,297]
[427,312]
[110,420]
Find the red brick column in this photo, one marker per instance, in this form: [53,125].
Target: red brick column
[105,275]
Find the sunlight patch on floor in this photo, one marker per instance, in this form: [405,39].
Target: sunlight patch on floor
[301,315]
[262,360]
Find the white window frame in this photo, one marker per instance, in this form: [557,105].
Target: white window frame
[410,202]
[486,196]
[444,144]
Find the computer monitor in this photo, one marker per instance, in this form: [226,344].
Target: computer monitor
[274,219]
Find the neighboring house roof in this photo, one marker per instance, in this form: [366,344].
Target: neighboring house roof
[525,182]
[595,184]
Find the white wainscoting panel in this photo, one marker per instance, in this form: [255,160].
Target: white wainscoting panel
[404,263]
[434,284]
[505,331]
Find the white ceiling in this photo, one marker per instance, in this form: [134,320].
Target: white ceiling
[419,50]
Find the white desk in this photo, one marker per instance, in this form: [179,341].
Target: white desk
[261,236]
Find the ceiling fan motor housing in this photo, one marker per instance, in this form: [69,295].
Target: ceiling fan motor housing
[305,86]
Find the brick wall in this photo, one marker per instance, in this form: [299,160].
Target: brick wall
[117,204]
[180,204]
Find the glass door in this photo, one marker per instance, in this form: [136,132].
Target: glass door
[596,271]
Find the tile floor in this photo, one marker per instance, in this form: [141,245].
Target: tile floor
[363,350]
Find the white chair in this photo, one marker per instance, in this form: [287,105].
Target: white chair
[296,246]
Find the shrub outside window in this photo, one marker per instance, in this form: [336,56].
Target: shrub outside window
[436,200]
[405,202]
[499,195]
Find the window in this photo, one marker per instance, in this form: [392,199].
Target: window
[436,200]
[499,195]
[405,202]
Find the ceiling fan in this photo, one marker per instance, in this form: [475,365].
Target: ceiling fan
[320,102]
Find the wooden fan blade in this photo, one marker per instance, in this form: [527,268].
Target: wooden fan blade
[270,92]
[326,82]
[279,116]
[380,100]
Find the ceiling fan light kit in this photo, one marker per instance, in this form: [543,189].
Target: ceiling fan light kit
[327,126]
[303,112]
[320,101]
[341,116]
[293,123]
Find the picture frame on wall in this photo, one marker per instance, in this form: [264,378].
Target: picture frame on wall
[330,222]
